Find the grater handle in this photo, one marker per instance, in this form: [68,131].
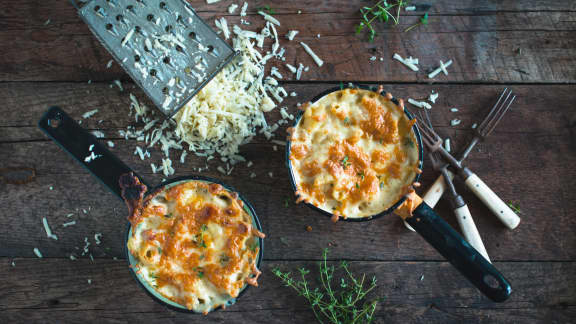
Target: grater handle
[75,140]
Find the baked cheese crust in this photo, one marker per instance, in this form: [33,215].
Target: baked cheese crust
[354,153]
[195,244]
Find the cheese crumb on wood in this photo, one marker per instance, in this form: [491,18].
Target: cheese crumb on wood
[269,18]
[442,68]
[89,114]
[455,122]
[291,34]
[419,104]
[38,253]
[433,96]
[308,50]
[48,230]
[232,8]
[410,62]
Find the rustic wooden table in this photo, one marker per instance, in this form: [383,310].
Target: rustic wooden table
[48,55]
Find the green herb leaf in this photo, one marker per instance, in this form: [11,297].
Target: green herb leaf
[514,207]
[200,274]
[286,202]
[424,20]
[254,245]
[357,185]
[345,162]
[346,120]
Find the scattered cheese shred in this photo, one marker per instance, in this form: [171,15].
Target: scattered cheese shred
[291,34]
[442,68]
[48,230]
[433,96]
[269,18]
[455,122]
[409,62]
[38,253]
[243,10]
[419,104]
[89,114]
[232,8]
[314,56]
[447,144]
[69,224]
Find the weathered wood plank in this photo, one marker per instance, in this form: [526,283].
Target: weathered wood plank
[482,39]
[57,290]
[525,161]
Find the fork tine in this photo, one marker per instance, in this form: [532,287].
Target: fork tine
[500,115]
[491,112]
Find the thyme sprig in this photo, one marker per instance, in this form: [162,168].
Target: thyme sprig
[383,12]
[346,305]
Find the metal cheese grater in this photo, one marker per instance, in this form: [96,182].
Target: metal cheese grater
[163,45]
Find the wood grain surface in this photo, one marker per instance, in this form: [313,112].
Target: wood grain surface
[528,46]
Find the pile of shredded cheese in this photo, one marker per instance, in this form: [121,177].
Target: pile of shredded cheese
[229,111]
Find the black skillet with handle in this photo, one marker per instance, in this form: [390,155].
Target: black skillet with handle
[479,271]
[107,168]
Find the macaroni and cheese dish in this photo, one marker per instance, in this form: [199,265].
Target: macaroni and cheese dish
[195,244]
[353,153]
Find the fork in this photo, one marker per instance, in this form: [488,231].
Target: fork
[480,133]
[434,143]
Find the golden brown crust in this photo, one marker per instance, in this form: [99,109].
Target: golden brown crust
[353,153]
[221,246]
[406,209]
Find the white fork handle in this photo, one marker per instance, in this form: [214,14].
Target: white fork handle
[436,191]
[470,231]
[492,201]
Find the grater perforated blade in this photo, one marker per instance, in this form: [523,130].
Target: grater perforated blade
[165,47]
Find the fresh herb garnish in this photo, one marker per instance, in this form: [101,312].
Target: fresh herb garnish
[514,207]
[423,21]
[200,236]
[341,85]
[346,120]
[159,250]
[382,12]
[346,305]
[224,259]
[200,274]
[357,185]
[361,175]
[345,162]
[408,142]
[267,9]
[286,202]
[168,215]
[254,245]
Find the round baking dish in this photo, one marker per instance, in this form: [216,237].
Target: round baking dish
[297,119]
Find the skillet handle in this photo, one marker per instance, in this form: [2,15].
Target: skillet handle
[460,254]
[75,140]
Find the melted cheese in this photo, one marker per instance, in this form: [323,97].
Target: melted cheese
[196,245]
[353,153]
